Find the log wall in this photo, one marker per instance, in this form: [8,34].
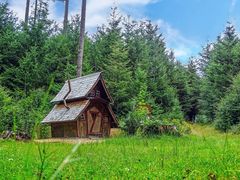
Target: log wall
[68,129]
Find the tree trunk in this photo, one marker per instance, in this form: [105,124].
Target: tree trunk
[27,11]
[35,11]
[81,39]
[65,22]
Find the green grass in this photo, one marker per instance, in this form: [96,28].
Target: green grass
[205,154]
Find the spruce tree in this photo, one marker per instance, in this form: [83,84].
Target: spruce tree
[228,111]
[111,58]
[219,72]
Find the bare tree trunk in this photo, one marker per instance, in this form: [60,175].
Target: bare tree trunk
[35,11]
[27,11]
[81,39]
[65,22]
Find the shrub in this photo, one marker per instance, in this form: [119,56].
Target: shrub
[24,115]
[235,129]
[6,109]
[146,118]
[182,126]
[150,127]
[44,132]
[155,126]
[203,119]
[139,123]
[133,121]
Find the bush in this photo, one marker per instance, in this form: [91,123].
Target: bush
[203,119]
[155,126]
[44,132]
[139,123]
[133,121]
[24,115]
[146,118]
[182,126]
[235,129]
[150,127]
[6,109]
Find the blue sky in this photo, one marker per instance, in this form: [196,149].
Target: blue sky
[187,25]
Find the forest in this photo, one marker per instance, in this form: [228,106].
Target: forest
[38,57]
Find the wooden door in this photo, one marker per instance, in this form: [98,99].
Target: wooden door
[94,122]
[83,128]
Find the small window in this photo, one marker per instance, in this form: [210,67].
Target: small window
[105,119]
[98,93]
[94,115]
[82,117]
[92,94]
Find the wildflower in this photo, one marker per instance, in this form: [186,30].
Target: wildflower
[127,169]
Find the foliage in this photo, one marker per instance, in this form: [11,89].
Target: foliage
[218,73]
[5,110]
[235,129]
[25,114]
[202,119]
[228,113]
[143,76]
[146,119]
[133,121]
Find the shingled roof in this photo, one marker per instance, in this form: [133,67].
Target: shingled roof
[80,87]
[60,113]
[77,99]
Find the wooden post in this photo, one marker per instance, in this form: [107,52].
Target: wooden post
[109,127]
[78,132]
[86,116]
[52,133]
[101,125]
[81,39]
[27,11]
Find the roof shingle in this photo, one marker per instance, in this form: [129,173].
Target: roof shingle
[80,87]
[60,113]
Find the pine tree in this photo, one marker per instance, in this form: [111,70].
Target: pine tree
[204,58]
[138,50]
[193,91]
[219,72]
[111,58]
[228,112]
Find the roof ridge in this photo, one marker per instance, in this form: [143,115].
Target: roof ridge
[80,87]
[86,76]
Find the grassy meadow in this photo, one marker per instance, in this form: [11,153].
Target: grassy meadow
[205,154]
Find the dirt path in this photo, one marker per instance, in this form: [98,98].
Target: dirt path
[114,132]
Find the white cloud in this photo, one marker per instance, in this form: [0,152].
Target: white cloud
[181,52]
[18,7]
[53,11]
[182,46]
[97,10]
[232,5]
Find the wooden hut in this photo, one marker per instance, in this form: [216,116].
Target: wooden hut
[82,108]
